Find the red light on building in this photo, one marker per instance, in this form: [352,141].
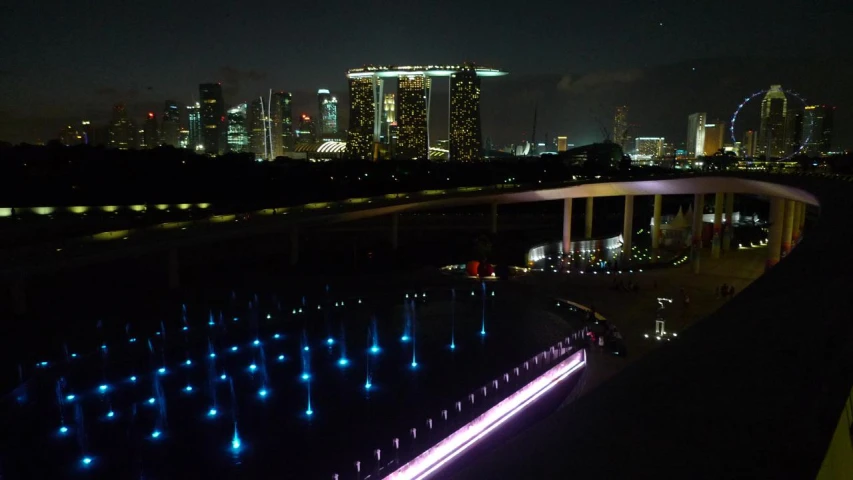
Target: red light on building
[150,114]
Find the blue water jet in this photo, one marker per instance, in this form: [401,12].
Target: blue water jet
[343,361]
[374,336]
[483,324]
[453,319]
[235,439]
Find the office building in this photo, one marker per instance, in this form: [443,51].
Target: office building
[306,131]
[696,134]
[649,147]
[620,127]
[213,125]
[256,129]
[562,144]
[466,139]
[150,132]
[793,130]
[238,136]
[184,137]
[816,134]
[280,121]
[328,113]
[748,144]
[170,125]
[70,136]
[194,140]
[122,132]
[413,115]
[715,137]
[360,136]
[771,132]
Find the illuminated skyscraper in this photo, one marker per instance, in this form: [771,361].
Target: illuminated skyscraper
[620,127]
[122,130]
[280,113]
[238,136]
[562,144]
[793,130]
[817,129]
[406,115]
[771,133]
[213,135]
[88,132]
[715,134]
[466,140]
[150,133]
[194,140]
[170,126]
[328,113]
[306,132]
[362,97]
[748,144]
[256,127]
[413,116]
[696,134]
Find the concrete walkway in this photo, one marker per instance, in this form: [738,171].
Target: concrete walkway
[633,313]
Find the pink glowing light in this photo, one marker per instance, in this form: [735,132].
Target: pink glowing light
[433,459]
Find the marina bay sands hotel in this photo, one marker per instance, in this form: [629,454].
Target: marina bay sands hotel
[372,116]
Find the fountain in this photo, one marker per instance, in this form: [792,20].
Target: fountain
[81,435]
[262,392]
[483,324]
[305,353]
[343,361]
[60,402]
[414,323]
[211,375]
[160,399]
[373,336]
[235,440]
[309,411]
[453,319]
[407,322]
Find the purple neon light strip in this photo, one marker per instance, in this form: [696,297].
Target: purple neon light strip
[459,441]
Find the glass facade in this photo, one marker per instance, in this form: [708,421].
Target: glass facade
[280,112]
[466,140]
[122,131]
[361,118]
[150,133]
[413,116]
[170,126]
[213,134]
[771,132]
[649,146]
[238,135]
[696,134]
[256,127]
[194,141]
[328,112]
[816,136]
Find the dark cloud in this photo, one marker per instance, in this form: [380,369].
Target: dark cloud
[106,91]
[596,80]
[233,79]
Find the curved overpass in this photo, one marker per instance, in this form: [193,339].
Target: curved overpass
[753,391]
[108,246]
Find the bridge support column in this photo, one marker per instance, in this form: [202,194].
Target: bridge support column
[587,232]
[494,217]
[728,229]
[787,227]
[696,243]
[795,230]
[395,227]
[774,241]
[627,227]
[803,210]
[716,240]
[294,245]
[174,270]
[567,226]
[18,297]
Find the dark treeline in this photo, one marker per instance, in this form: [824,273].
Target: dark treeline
[64,176]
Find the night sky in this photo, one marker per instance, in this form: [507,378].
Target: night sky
[62,62]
